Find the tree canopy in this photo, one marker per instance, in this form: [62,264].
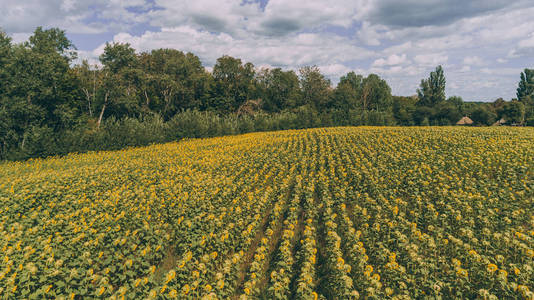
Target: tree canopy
[432,89]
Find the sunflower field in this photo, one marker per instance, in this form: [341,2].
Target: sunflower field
[337,213]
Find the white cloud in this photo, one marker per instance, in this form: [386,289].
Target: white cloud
[465,69]
[334,70]
[237,18]
[391,60]
[474,61]
[524,47]
[433,59]
[75,16]
[369,34]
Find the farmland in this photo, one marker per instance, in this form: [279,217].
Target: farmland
[335,213]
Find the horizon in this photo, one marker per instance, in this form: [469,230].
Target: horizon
[483,47]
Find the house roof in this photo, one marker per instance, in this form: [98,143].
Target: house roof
[500,122]
[465,121]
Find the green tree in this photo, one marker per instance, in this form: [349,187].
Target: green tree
[117,96]
[118,93]
[38,90]
[345,105]
[315,87]
[7,135]
[118,56]
[423,115]
[173,81]
[87,79]
[234,83]
[5,56]
[278,89]
[446,113]
[358,96]
[513,112]
[457,102]
[432,90]
[526,85]
[525,92]
[375,94]
[40,75]
[348,92]
[482,115]
[53,40]
[404,109]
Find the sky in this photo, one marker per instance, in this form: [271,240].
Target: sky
[483,45]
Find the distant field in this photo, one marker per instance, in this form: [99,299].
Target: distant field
[334,213]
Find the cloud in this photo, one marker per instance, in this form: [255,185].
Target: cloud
[280,26]
[524,48]
[415,13]
[276,18]
[335,70]
[433,59]
[391,60]
[212,15]
[310,14]
[75,16]
[474,61]
[370,34]
[465,69]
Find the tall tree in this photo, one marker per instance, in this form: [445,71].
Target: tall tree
[348,92]
[482,115]
[87,78]
[5,56]
[404,109]
[234,83]
[376,94]
[52,40]
[7,135]
[526,85]
[118,92]
[118,56]
[432,90]
[177,79]
[278,89]
[38,89]
[513,112]
[525,91]
[41,74]
[315,87]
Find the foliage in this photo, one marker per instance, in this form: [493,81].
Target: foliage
[432,90]
[526,85]
[483,116]
[513,112]
[233,83]
[315,87]
[279,89]
[525,91]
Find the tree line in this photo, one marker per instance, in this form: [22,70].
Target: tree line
[49,105]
